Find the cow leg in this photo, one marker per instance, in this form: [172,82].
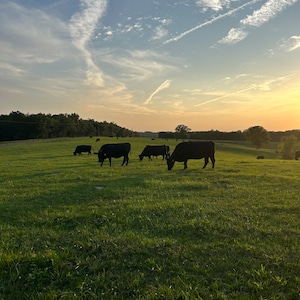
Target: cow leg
[213,161]
[206,162]
[125,160]
[109,161]
[185,164]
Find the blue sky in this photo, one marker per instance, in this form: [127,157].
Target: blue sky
[151,65]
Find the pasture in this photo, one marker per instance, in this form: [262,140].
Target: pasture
[71,229]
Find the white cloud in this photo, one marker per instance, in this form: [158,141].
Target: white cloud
[234,36]
[267,12]
[259,17]
[213,4]
[159,33]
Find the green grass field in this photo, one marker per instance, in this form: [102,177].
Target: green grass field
[71,229]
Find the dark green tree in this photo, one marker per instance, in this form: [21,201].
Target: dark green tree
[288,146]
[257,135]
[182,132]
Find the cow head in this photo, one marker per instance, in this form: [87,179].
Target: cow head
[141,157]
[101,157]
[170,163]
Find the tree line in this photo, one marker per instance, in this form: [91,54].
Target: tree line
[274,136]
[20,126]
[204,135]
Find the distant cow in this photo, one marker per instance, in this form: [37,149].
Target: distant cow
[155,151]
[114,150]
[83,148]
[192,150]
[297,155]
[260,157]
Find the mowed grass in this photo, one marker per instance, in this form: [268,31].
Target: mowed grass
[71,229]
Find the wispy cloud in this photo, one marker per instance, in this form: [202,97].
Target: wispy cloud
[140,65]
[163,86]
[82,27]
[291,43]
[159,33]
[213,20]
[33,36]
[9,69]
[259,17]
[263,86]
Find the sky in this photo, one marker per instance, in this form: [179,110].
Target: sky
[222,65]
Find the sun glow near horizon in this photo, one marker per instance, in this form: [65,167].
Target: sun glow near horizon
[224,65]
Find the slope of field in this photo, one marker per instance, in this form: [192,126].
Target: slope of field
[74,230]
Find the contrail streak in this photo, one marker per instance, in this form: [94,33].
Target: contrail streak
[180,36]
[163,86]
[225,96]
[251,87]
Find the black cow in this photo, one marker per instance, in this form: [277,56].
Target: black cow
[155,151]
[192,150]
[260,157]
[83,148]
[297,155]
[114,150]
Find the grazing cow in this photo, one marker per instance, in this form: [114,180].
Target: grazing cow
[97,140]
[297,154]
[155,151]
[260,157]
[192,150]
[83,148]
[114,150]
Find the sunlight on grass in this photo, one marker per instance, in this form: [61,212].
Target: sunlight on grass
[72,229]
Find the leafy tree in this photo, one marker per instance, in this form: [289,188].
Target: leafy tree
[182,132]
[257,135]
[288,146]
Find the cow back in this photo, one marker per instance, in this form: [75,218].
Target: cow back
[193,150]
[115,150]
[83,148]
[155,150]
